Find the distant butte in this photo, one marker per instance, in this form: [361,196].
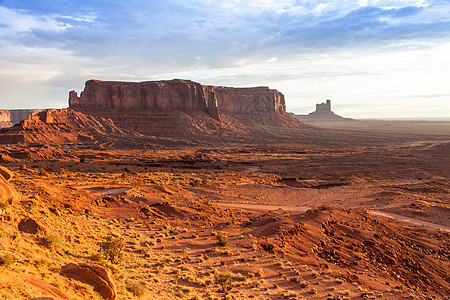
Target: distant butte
[322,114]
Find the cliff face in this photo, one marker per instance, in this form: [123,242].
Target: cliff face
[173,95]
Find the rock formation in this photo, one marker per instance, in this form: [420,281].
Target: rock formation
[183,108]
[323,114]
[9,118]
[173,95]
[323,109]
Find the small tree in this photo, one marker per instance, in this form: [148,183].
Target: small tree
[112,248]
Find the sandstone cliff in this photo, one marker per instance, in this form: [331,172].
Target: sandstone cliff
[183,95]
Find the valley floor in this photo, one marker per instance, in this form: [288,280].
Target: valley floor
[232,222]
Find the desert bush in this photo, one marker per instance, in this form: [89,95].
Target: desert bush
[6,260]
[96,257]
[137,288]
[224,282]
[112,248]
[222,239]
[53,241]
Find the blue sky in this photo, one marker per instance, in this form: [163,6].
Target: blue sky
[372,58]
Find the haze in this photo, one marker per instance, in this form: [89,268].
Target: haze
[374,59]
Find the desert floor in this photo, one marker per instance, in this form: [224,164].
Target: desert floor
[364,218]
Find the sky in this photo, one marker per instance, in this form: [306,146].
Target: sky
[371,58]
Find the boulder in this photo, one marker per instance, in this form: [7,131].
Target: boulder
[29,225]
[93,274]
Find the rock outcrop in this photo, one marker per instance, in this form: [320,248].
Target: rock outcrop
[9,118]
[92,274]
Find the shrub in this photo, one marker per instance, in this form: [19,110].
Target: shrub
[112,248]
[52,241]
[137,288]
[224,282]
[6,260]
[222,239]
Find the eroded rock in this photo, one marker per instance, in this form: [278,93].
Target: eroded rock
[92,274]
[7,191]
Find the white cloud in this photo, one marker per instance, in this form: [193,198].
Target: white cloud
[17,21]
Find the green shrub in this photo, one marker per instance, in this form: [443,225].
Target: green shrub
[222,239]
[112,248]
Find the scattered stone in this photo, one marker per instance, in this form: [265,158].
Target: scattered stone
[92,274]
